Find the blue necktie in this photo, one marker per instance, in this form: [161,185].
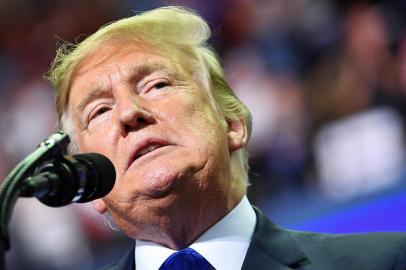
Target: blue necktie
[186,259]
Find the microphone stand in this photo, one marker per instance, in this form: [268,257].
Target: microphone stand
[51,147]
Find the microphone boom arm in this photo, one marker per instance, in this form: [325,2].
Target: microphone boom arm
[51,147]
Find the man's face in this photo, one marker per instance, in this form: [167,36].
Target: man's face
[170,147]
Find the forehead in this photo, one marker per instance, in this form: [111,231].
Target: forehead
[128,56]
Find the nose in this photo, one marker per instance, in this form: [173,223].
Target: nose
[132,115]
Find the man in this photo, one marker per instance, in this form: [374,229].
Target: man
[148,93]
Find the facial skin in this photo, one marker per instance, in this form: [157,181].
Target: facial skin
[126,99]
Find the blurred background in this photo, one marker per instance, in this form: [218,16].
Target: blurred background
[326,84]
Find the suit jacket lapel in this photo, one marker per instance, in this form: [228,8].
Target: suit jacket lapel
[129,261]
[272,248]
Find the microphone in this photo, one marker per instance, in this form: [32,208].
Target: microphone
[67,179]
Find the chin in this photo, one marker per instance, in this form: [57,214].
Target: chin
[160,182]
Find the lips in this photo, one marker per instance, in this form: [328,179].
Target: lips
[145,147]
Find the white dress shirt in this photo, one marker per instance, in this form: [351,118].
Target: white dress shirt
[224,245]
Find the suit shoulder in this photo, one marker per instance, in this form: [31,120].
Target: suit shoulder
[365,251]
[397,239]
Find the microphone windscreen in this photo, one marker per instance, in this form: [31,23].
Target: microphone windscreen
[101,175]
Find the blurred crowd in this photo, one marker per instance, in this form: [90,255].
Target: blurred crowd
[325,82]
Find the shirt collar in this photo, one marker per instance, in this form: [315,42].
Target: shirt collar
[224,245]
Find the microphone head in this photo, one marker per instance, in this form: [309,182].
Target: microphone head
[101,175]
[79,178]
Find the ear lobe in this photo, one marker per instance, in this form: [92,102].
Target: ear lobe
[237,134]
[99,205]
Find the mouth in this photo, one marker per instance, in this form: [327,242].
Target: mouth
[146,148]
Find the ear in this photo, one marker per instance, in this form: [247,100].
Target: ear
[99,205]
[237,134]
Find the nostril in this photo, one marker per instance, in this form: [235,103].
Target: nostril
[127,128]
[138,123]
[141,120]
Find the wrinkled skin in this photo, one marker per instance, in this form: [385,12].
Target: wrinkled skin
[124,98]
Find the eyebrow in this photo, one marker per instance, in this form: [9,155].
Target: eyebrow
[145,68]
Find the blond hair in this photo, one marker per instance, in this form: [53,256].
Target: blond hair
[176,32]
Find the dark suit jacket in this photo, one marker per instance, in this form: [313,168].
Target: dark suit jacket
[273,248]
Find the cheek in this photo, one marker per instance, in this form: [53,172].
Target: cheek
[207,135]
[191,110]
[97,144]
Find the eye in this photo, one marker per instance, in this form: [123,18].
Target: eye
[99,111]
[154,84]
[160,85]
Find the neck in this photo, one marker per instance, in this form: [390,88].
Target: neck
[178,219]
[179,235]
[180,227]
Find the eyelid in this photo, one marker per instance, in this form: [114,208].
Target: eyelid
[161,74]
[95,112]
[91,108]
[155,82]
